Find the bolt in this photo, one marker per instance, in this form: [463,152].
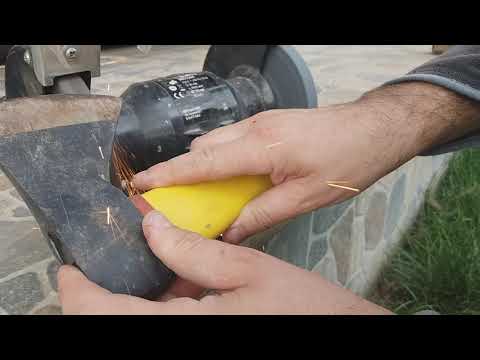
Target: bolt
[26,57]
[71,53]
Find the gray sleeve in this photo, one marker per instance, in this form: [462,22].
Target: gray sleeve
[458,70]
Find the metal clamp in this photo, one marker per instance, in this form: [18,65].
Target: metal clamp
[52,61]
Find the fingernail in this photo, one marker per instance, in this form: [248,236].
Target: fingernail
[233,235]
[156,220]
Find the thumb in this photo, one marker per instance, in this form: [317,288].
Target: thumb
[208,263]
[280,203]
[75,291]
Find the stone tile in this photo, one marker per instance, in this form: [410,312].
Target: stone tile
[318,249]
[411,184]
[358,244]
[396,205]
[12,230]
[424,168]
[357,283]
[21,211]
[52,270]
[388,180]
[373,263]
[438,161]
[292,241]
[362,201]
[20,294]
[5,204]
[324,218]
[259,241]
[375,219]
[416,201]
[276,247]
[327,269]
[4,183]
[49,310]
[439,170]
[16,195]
[20,246]
[341,243]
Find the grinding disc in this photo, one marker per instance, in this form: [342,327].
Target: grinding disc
[289,78]
[281,65]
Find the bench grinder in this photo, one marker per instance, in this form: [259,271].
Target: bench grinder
[76,179]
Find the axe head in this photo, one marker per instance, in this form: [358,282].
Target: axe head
[63,175]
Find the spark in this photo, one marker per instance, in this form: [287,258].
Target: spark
[113,232]
[343,187]
[101,152]
[123,169]
[273,145]
[114,222]
[111,223]
[126,285]
[65,210]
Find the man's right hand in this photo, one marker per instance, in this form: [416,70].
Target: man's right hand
[302,150]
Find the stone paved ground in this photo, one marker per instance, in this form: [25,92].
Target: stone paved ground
[342,73]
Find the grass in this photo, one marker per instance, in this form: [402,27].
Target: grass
[438,268]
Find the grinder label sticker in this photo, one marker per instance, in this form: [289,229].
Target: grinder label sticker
[204,103]
[192,85]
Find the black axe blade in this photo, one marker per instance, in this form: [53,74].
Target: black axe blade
[62,175]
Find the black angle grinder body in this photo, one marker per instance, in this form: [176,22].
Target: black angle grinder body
[160,118]
[76,191]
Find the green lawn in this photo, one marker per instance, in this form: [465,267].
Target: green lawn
[438,267]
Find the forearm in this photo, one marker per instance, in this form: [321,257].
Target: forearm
[457,70]
[411,118]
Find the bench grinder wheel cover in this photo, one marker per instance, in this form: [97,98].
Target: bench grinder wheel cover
[281,65]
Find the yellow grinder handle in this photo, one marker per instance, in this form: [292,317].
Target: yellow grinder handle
[207,208]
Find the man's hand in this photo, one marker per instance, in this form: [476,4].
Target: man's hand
[245,282]
[355,143]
